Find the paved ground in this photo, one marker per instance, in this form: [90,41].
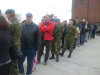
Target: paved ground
[85,61]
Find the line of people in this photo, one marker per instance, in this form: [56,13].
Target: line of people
[19,41]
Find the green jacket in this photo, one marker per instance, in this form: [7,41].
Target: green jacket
[15,31]
[71,33]
[57,33]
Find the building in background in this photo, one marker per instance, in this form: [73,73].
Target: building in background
[0,12]
[86,9]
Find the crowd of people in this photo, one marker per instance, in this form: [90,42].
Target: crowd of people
[26,40]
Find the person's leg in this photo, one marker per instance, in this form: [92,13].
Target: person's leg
[14,67]
[52,50]
[40,51]
[34,64]
[71,45]
[57,50]
[89,35]
[65,47]
[93,34]
[81,39]
[30,58]
[84,35]
[48,45]
[62,42]
[78,40]
[21,61]
[75,43]
[4,70]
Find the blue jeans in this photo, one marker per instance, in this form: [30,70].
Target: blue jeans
[82,39]
[90,35]
[30,54]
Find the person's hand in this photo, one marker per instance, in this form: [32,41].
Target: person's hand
[52,38]
[44,26]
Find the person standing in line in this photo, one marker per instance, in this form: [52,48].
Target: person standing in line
[82,33]
[78,37]
[15,31]
[5,43]
[55,44]
[29,44]
[89,28]
[94,30]
[46,31]
[69,38]
[87,31]
[64,32]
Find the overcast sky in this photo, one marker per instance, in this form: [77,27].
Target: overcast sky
[61,8]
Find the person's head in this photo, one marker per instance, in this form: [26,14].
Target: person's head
[29,17]
[83,21]
[71,22]
[47,19]
[3,23]
[57,21]
[87,22]
[10,13]
[64,22]
[77,21]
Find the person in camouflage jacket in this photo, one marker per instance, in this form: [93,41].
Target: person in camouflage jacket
[15,31]
[55,45]
[69,38]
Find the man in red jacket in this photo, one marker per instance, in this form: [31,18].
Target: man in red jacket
[46,29]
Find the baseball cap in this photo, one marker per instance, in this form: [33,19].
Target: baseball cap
[10,11]
[29,15]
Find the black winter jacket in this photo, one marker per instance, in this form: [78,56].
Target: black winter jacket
[5,44]
[30,36]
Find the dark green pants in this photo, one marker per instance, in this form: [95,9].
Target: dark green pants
[14,67]
[55,48]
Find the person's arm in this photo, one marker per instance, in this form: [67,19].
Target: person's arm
[49,28]
[42,27]
[15,30]
[37,39]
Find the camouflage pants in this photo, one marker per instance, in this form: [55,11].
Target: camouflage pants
[55,48]
[69,44]
[14,67]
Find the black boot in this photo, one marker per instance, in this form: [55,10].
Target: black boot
[52,57]
[69,56]
[57,58]
[62,54]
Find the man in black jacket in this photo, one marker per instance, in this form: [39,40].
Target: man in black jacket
[5,43]
[29,43]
